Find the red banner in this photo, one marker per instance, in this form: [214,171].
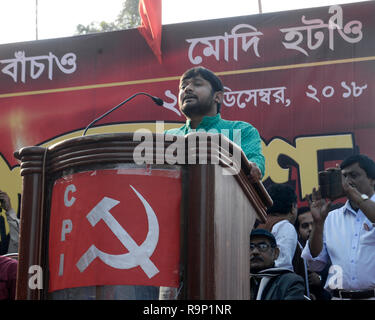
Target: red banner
[303,78]
[115,227]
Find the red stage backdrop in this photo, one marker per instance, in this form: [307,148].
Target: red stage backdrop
[303,78]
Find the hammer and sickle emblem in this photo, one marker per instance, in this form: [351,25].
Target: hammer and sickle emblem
[137,255]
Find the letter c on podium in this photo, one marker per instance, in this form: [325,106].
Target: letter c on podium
[69,202]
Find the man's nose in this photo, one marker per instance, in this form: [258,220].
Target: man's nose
[255,251]
[188,88]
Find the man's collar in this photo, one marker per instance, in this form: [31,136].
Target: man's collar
[206,121]
[347,208]
[271,272]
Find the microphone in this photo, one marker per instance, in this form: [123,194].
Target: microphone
[157,100]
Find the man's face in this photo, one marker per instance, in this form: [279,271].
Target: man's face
[355,176]
[305,225]
[196,97]
[262,255]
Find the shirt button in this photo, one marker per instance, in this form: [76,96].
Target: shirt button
[356,235]
[352,261]
[353,248]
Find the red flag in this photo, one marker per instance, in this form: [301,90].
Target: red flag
[150,29]
[102,220]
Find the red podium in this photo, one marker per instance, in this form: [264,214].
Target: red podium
[97,223]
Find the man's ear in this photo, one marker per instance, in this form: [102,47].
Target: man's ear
[372,181]
[219,97]
[276,253]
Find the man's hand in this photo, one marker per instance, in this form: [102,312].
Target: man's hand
[319,207]
[255,173]
[352,193]
[5,201]
[314,279]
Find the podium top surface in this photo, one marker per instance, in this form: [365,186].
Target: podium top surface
[128,147]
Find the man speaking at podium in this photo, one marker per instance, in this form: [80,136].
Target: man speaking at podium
[200,96]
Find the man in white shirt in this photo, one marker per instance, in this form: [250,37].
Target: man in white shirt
[280,222]
[346,236]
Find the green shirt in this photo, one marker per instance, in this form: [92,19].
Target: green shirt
[250,140]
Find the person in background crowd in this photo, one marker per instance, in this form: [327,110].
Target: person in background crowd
[9,226]
[314,281]
[266,281]
[8,277]
[280,222]
[346,236]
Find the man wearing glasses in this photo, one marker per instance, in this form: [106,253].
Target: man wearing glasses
[266,281]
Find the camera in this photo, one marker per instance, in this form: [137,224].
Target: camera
[330,184]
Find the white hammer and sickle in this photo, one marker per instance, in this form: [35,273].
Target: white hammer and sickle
[137,255]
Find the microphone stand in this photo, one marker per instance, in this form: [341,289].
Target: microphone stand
[158,101]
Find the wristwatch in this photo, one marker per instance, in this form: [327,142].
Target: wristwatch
[364,197]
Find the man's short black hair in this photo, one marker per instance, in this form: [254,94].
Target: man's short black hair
[283,196]
[364,162]
[208,75]
[303,210]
